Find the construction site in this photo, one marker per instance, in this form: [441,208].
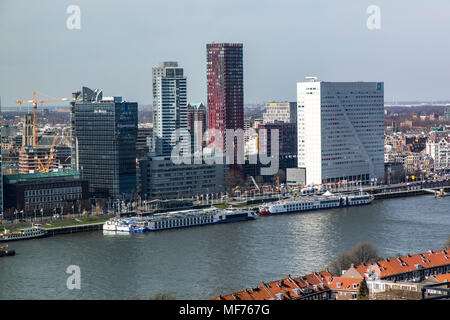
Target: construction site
[38,148]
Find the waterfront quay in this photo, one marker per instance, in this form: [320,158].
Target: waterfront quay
[379,193]
[75,228]
[200,263]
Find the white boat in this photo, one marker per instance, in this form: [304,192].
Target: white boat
[35,231]
[179,219]
[192,218]
[119,225]
[312,202]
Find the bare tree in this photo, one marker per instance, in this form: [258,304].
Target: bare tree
[447,243]
[234,179]
[363,253]
[342,262]
[162,296]
[360,253]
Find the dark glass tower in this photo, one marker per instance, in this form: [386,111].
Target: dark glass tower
[225,78]
[104,132]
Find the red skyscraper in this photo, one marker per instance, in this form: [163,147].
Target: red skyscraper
[225,77]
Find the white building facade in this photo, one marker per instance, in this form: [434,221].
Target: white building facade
[169,105]
[340,128]
[438,147]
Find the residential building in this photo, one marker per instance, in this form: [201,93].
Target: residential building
[309,287]
[413,268]
[438,147]
[409,273]
[225,89]
[169,105]
[105,131]
[340,131]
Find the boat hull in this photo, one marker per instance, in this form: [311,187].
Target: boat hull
[24,238]
[239,219]
[268,212]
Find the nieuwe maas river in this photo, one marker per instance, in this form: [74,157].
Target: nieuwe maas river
[202,262]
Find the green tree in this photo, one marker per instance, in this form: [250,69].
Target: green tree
[363,290]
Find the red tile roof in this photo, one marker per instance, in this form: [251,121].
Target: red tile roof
[284,289]
[443,277]
[343,283]
[398,265]
[295,288]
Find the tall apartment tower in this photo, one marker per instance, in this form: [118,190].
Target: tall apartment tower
[225,80]
[169,105]
[104,131]
[340,131]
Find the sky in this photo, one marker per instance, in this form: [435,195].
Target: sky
[284,41]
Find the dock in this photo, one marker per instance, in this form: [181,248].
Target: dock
[409,193]
[74,229]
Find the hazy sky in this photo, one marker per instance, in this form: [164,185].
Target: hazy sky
[284,40]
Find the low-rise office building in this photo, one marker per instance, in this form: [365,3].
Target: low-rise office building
[161,178]
[49,191]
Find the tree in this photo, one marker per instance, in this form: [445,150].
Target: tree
[234,178]
[162,296]
[342,262]
[363,290]
[280,176]
[447,243]
[361,253]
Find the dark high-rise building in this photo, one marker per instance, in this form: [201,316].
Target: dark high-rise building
[104,131]
[197,124]
[225,78]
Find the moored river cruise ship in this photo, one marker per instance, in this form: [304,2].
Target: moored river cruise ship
[315,202]
[180,219]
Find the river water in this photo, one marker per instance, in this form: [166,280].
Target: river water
[202,262]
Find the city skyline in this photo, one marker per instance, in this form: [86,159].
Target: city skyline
[342,48]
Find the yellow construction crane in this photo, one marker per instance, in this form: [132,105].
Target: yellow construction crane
[46,167]
[35,102]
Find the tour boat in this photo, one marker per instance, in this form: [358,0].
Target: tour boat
[27,233]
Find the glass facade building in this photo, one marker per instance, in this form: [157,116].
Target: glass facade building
[104,132]
[225,81]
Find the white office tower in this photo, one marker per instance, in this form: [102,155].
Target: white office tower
[169,105]
[340,131]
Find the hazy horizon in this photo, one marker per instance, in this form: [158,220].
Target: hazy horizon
[284,41]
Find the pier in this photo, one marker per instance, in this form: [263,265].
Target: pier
[74,229]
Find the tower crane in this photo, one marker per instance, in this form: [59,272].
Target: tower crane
[35,102]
